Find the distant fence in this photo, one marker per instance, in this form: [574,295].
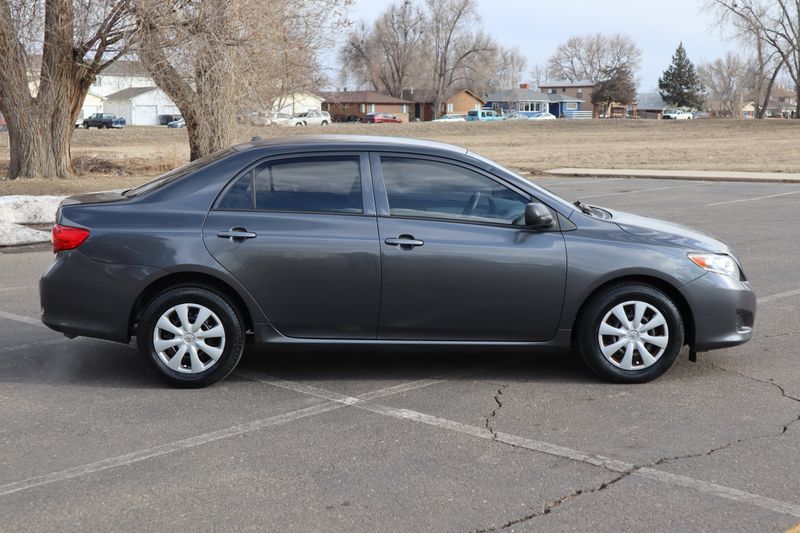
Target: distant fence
[578,115]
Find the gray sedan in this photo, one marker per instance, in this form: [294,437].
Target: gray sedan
[369,241]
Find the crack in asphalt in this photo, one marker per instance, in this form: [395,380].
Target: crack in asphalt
[548,507]
[488,422]
[552,504]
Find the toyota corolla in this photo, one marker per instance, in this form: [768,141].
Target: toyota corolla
[345,241]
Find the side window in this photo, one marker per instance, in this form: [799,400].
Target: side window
[431,189]
[320,184]
[240,195]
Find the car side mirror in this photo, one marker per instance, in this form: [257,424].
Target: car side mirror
[537,216]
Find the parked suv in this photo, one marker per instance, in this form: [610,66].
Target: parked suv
[483,115]
[103,120]
[312,118]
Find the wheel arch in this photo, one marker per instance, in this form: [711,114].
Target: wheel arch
[664,286]
[188,279]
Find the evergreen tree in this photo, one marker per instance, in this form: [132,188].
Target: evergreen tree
[617,86]
[679,85]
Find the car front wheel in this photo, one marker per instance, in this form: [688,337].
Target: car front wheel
[191,336]
[630,333]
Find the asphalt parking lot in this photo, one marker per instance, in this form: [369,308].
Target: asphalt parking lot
[90,440]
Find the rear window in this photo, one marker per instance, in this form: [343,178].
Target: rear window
[327,184]
[177,173]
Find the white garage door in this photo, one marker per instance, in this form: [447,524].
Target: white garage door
[145,115]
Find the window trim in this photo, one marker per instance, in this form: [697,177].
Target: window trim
[367,195]
[382,198]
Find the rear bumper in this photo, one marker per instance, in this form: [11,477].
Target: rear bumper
[83,297]
[724,311]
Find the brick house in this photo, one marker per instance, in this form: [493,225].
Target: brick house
[460,102]
[580,89]
[345,104]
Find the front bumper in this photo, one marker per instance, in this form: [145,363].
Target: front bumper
[83,297]
[724,311]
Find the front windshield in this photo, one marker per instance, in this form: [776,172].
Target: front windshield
[179,172]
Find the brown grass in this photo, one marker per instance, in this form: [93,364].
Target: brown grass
[111,159]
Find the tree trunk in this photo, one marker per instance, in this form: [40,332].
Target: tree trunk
[761,113]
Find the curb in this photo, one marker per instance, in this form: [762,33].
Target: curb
[700,175]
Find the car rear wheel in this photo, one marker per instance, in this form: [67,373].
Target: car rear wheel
[324,123]
[191,336]
[630,333]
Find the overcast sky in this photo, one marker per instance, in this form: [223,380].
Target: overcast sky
[538,26]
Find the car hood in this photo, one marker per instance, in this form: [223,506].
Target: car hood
[667,232]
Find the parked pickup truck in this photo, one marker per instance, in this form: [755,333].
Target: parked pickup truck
[103,120]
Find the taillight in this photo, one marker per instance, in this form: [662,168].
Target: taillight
[68,238]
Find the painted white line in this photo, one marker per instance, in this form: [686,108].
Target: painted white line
[23,319]
[720,491]
[577,181]
[778,296]
[21,287]
[635,191]
[753,199]
[164,449]
[205,438]
[705,487]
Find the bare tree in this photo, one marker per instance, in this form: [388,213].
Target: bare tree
[50,53]
[587,57]
[387,55]
[211,56]
[775,23]
[728,82]
[538,74]
[509,67]
[456,48]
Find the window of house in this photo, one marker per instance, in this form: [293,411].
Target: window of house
[330,184]
[450,107]
[432,189]
[579,93]
[371,108]
[362,108]
[551,91]
[572,105]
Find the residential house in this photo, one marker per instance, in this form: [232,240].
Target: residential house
[580,89]
[650,105]
[297,102]
[93,103]
[121,75]
[141,106]
[749,110]
[344,105]
[460,102]
[782,103]
[527,99]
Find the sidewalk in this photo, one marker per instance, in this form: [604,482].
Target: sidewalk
[700,175]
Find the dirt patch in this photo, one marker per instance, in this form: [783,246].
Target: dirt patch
[113,159]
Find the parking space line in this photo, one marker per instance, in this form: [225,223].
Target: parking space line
[19,288]
[614,465]
[623,193]
[577,181]
[23,319]
[753,199]
[778,296]
[198,440]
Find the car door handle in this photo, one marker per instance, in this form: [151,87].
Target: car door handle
[404,241]
[236,234]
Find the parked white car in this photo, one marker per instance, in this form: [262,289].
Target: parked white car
[312,118]
[544,115]
[452,117]
[677,114]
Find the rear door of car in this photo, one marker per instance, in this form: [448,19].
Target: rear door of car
[299,233]
[456,265]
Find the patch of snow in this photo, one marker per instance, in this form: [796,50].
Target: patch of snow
[20,209]
[14,234]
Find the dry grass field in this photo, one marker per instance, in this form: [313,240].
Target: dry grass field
[110,159]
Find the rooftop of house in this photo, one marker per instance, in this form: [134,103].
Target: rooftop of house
[528,95]
[566,83]
[425,96]
[131,92]
[362,97]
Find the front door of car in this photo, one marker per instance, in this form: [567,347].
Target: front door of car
[299,233]
[457,263]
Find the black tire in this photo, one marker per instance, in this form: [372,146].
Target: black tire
[588,326]
[85,126]
[230,318]
[324,123]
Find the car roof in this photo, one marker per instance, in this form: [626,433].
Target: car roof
[359,142]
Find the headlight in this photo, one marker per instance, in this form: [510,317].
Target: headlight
[719,263]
